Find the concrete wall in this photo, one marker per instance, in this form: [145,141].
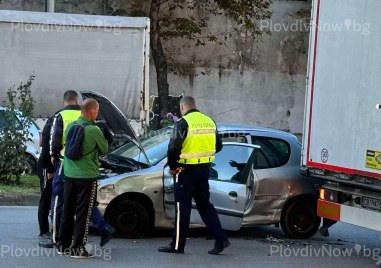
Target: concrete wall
[253,80]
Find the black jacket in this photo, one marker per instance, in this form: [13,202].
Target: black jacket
[44,161]
[56,132]
[179,134]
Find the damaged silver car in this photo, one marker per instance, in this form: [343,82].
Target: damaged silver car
[254,180]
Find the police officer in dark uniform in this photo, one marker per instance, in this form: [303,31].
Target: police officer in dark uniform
[191,150]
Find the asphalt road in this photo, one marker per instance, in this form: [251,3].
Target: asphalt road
[348,246]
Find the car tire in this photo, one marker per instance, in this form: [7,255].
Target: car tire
[299,218]
[30,165]
[131,219]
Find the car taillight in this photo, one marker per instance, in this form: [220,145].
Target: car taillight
[40,138]
[329,195]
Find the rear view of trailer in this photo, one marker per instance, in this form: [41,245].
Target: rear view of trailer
[342,125]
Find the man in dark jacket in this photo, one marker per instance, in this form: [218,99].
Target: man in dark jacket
[68,114]
[45,171]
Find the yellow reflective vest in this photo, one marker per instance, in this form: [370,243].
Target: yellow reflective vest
[199,145]
[68,116]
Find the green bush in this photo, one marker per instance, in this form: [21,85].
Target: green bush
[15,135]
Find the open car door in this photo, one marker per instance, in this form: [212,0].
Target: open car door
[228,182]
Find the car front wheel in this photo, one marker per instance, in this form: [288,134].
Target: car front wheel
[131,219]
[299,218]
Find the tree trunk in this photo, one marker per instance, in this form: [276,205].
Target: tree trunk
[160,63]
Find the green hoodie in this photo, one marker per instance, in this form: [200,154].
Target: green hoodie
[94,144]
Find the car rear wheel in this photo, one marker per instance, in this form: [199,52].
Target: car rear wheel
[29,165]
[299,218]
[131,219]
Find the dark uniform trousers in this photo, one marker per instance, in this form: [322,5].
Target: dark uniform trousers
[57,198]
[192,181]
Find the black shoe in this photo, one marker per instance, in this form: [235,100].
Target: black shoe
[45,236]
[80,253]
[106,235]
[324,231]
[170,249]
[46,244]
[219,247]
[62,251]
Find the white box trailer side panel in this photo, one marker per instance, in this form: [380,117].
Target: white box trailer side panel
[344,86]
[79,52]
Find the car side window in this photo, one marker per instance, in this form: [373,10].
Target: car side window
[274,152]
[260,161]
[229,164]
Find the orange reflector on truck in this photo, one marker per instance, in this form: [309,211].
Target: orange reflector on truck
[328,210]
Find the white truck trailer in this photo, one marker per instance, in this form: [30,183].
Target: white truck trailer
[342,124]
[106,54]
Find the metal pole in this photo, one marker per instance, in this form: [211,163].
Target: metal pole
[49,6]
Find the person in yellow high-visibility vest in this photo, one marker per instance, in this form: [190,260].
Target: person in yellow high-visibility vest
[70,113]
[191,150]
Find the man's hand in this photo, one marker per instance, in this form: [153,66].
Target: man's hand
[52,159]
[50,176]
[173,172]
[233,163]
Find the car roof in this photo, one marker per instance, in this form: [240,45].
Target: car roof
[243,127]
[240,128]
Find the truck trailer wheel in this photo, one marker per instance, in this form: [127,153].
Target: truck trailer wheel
[299,218]
[131,219]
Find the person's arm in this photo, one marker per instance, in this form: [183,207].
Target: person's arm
[101,141]
[175,145]
[56,133]
[45,152]
[218,142]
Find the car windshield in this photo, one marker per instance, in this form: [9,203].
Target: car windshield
[155,144]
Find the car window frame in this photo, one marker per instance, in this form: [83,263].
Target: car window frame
[248,162]
[287,143]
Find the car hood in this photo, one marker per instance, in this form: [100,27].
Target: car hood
[113,118]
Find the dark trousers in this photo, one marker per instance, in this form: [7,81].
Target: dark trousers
[79,197]
[193,182]
[57,198]
[98,220]
[45,201]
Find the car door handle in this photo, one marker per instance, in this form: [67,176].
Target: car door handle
[233,194]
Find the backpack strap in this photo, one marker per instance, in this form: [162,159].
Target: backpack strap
[84,126]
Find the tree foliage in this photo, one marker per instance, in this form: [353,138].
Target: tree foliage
[15,131]
[190,19]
